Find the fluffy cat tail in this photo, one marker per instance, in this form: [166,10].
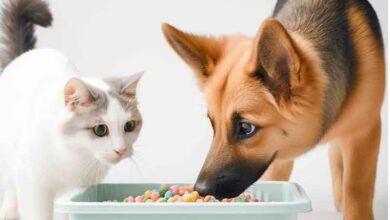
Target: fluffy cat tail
[17,22]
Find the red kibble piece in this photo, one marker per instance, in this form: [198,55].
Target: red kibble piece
[155,196]
[190,188]
[175,190]
[226,200]
[130,199]
[139,199]
[208,197]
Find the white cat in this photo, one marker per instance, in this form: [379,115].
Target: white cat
[57,131]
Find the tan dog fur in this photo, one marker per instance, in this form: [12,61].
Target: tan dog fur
[291,124]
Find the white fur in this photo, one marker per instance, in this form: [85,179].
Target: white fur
[39,160]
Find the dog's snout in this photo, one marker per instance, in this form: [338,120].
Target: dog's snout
[204,188]
[219,186]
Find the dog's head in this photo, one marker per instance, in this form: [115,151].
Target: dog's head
[264,98]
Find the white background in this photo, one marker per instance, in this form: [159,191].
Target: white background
[107,38]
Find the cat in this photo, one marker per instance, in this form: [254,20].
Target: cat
[57,131]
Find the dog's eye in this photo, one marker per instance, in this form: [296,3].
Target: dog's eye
[129,126]
[245,130]
[100,130]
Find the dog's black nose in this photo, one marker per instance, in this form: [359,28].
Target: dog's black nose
[220,187]
[204,188]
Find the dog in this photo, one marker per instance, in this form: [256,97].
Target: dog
[313,74]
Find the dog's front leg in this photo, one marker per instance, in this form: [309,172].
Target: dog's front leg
[360,154]
[336,168]
[279,170]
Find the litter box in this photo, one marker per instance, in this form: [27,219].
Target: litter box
[282,201]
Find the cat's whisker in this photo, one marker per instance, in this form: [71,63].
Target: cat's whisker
[88,173]
[137,167]
[85,172]
[82,174]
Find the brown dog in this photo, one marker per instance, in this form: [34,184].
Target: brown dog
[314,73]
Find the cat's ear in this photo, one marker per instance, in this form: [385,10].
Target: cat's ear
[77,94]
[129,87]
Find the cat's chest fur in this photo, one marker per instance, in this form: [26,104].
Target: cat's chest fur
[32,87]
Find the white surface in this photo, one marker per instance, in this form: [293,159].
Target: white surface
[321,215]
[121,37]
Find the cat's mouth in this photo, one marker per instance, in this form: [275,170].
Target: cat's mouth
[112,157]
[109,158]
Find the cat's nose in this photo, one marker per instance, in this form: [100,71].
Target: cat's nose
[121,151]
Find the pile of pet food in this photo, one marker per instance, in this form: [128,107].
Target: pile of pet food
[175,194]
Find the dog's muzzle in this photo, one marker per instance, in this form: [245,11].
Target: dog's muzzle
[231,180]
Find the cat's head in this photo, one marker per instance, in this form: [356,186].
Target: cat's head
[102,119]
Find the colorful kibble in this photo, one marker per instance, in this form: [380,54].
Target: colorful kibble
[226,200]
[186,194]
[163,192]
[207,198]
[176,198]
[147,195]
[130,199]
[139,199]
[175,190]
[182,192]
[241,199]
[155,196]
[173,199]
[190,188]
[168,194]
[162,200]
[195,194]
[191,197]
[187,198]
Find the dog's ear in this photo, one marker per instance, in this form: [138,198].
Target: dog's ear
[276,59]
[199,52]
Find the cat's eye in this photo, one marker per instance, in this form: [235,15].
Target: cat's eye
[100,130]
[129,126]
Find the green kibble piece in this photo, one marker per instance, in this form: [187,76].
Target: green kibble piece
[162,192]
[211,200]
[241,199]
[162,200]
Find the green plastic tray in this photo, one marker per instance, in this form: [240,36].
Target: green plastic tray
[283,201]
